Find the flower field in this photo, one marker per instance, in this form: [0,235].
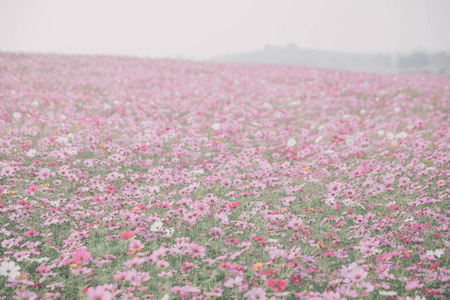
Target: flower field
[127,178]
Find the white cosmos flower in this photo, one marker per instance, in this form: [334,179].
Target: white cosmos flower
[17,115]
[401,135]
[62,140]
[54,203]
[345,117]
[31,153]
[197,172]
[387,293]
[170,231]
[267,105]
[349,141]
[291,142]
[165,297]
[10,269]
[318,139]
[380,132]
[215,126]
[39,260]
[436,253]
[376,250]
[156,226]
[330,201]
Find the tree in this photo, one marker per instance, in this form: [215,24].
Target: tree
[413,61]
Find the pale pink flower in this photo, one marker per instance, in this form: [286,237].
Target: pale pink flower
[98,293]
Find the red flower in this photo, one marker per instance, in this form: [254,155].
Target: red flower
[434,266]
[277,284]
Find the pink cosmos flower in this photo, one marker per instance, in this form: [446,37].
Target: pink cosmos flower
[7,171]
[80,255]
[277,284]
[331,295]
[98,293]
[357,274]
[135,246]
[135,261]
[126,235]
[32,189]
[231,282]
[413,284]
[31,233]
[195,250]
[256,293]
[22,295]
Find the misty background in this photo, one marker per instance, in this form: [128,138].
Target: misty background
[381,36]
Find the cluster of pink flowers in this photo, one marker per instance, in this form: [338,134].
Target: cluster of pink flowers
[126,178]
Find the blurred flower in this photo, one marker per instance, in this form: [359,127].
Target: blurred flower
[291,142]
[215,126]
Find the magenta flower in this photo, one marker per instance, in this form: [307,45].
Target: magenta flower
[277,284]
[126,235]
[296,279]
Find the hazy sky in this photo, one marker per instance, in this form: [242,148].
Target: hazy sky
[206,28]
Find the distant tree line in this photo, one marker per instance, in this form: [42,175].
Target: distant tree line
[292,55]
[439,62]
